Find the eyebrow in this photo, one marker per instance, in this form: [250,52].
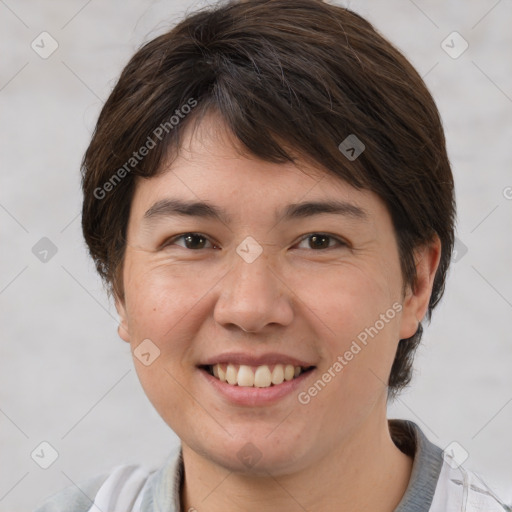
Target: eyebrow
[178,207]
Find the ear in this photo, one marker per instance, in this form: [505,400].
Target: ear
[122,329]
[417,298]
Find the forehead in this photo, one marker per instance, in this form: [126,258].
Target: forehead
[211,165]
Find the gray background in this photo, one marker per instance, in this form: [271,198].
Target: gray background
[66,378]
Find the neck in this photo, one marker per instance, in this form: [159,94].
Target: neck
[366,472]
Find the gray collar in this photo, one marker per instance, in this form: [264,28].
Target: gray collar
[426,468]
[162,492]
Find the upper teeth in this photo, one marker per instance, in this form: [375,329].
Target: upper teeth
[259,376]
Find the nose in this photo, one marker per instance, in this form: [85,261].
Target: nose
[253,296]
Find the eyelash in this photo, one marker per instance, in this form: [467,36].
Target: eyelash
[305,237]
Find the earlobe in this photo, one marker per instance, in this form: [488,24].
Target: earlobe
[123,332]
[417,299]
[122,328]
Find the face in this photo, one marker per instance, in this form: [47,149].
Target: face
[257,280]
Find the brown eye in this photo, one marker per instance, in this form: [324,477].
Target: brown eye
[321,241]
[192,241]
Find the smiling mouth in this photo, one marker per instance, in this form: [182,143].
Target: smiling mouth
[263,376]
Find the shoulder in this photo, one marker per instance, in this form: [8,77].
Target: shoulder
[76,498]
[121,488]
[439,483]
[462,489]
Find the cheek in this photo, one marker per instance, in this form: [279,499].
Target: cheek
[160,299]
[349,298]
[357,310]
[164,309]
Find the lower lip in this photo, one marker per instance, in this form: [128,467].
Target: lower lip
[252,396]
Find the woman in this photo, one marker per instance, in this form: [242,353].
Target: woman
[268,196]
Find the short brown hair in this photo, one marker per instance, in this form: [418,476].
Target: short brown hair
[302,75]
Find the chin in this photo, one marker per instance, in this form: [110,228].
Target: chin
[256,455]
